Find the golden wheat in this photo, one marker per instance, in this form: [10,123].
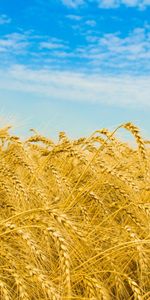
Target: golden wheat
[75,217]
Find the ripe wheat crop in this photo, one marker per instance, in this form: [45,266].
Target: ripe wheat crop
[74,217]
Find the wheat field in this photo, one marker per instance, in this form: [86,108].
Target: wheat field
[75,217]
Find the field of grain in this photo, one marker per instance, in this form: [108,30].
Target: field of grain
[75,217]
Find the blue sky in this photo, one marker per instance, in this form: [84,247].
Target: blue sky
[74,65]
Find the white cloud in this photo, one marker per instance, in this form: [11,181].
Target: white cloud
[73,3]
[52,44]
[74,17]
[91,23]
[4,19]
[105,53]
[132,3]
[108,3]
[141,4]
[13,42]
[71,86]
[114,52]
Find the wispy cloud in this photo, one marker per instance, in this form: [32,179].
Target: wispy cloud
[79,87]
[140,4]
[91,23]
[74,17]
[4,19]
[108,4]
[110,52]
[73,3]
[115,52]
[32,49]
[52,44]
[13,42]
[101,52]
